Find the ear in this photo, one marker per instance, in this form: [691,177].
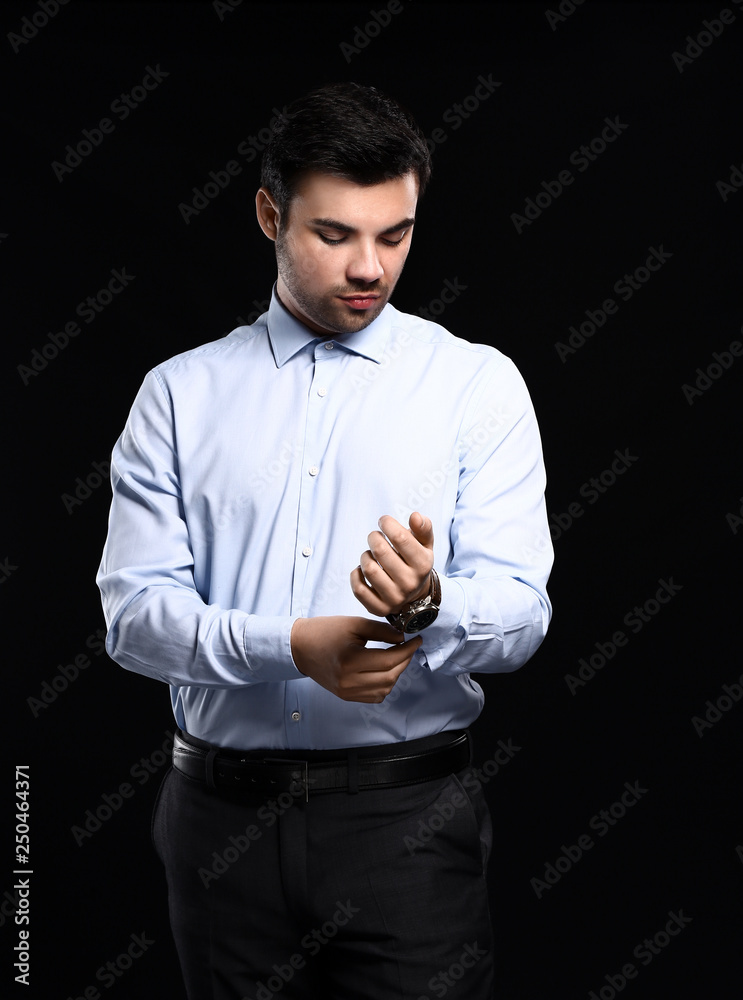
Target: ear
[268,214]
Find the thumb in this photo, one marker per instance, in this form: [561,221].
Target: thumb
[369,630]
[422,529]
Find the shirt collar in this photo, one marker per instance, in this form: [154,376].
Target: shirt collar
[288,336]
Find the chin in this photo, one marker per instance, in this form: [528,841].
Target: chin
[340,324]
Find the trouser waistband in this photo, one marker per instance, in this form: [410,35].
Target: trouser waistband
[305,772]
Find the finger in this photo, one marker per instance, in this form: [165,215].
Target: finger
[374,631]
[405,542]
[373,676]
[368,687]
[388,662]
[366,595]
[390,579]
[382,550]
[394,580]
[402,571]
[372,688]
[422,529]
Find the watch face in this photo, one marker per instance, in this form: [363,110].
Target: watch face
[421,620]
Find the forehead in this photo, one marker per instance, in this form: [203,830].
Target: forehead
[372,206]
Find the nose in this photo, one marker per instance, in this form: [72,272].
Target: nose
[364,264]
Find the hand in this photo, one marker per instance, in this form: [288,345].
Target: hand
[332,651]
[396,569]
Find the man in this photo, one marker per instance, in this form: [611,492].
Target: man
[278,494]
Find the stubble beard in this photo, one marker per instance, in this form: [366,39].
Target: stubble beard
[324,310]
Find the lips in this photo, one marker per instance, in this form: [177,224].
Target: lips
[359,301]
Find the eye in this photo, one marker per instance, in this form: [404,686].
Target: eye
[336,242]
[331,243]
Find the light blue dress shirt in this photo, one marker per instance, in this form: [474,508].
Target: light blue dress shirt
[245,483]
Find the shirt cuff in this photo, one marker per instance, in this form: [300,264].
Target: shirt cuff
[268,648]
[442,638]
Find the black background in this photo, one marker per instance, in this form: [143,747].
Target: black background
[671,515]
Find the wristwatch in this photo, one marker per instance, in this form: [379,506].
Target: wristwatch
[421,613]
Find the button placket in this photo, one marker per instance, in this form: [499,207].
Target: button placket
[326,360]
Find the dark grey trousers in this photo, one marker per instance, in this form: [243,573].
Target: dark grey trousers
[377,895]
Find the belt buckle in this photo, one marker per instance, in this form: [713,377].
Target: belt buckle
[300,776]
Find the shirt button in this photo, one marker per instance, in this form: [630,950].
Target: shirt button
[296,716]
[329,346]
[313,470]
[307,550]
[322,391]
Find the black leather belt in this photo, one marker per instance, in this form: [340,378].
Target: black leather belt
[301,773]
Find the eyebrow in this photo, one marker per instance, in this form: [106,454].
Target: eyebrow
[342,227]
